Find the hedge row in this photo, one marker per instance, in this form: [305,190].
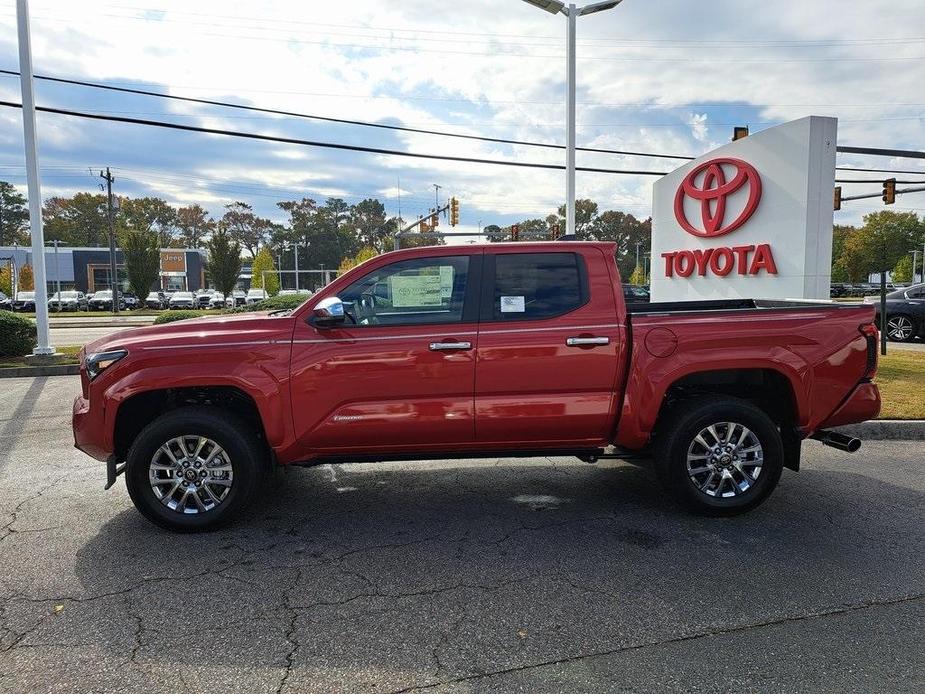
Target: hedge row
[17,335]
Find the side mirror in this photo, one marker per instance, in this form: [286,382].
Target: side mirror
[329,312]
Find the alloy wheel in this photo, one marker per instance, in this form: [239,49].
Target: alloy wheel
[191,474]
[899,328]
[724,460]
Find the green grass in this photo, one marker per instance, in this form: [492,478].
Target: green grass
[901,378]
[70,352]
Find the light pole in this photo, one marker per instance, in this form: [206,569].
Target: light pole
[57,274]
[572,13]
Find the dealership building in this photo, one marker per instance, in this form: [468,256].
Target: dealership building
[87,269]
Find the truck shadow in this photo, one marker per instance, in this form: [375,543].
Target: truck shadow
[372,559]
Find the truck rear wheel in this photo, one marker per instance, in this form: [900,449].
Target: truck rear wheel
[194,469]
[720,457]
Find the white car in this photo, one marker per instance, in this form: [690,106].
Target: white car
[236,298]
[292,292]
[183,300]
[217,300]
[255,295]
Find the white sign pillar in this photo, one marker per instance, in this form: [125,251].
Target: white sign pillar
[752,219]
[32,178]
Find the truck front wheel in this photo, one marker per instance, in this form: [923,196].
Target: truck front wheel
[721,457]
[194,469]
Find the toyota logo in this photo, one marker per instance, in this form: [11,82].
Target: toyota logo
[712,193]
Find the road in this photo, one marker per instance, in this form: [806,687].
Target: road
[542,575]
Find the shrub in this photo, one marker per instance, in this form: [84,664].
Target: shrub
[171,316]
[274,303]
[17,335]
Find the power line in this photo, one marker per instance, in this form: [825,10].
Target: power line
[326,145]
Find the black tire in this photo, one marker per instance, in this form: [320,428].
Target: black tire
[245,451]
[677,432]
[900,322]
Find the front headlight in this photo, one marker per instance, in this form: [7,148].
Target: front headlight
[98,362]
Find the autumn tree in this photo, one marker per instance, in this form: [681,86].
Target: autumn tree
[142,253]
[249,230]
[77,221]
[149,214]
[193,225]
[26,282]
[224,263]
[14,216]
[902,271]
[263,272]
[364,254]
[6,279]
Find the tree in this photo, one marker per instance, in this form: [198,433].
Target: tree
[493,232]
[6,280]
[320,228]
[224,263]
[249,230]
[149,214]
[852,264]
[626,231]
[364,254]
[840,234]
[142,253]
[78,221]
[193,225]
[14,216]
[26,282]
[889,236]
[902,271]
[585,212]
[371,225]
[638,277]
[263,272]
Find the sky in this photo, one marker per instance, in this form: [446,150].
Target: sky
[671,77]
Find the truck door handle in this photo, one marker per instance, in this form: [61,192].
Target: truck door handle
[587,341]
[442,346]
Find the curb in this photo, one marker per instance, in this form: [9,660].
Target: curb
[33,371]
[886,430]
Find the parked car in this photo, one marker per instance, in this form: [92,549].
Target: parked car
[24,302]
[235,299]
[156,301]
[255,295]
[182,300]
[905,313]
[293,292]
[102,301]
[5,302]
[130,300]
[634,294]
[838,289]
[217,300]
[68,301]
[204,298]
[407,356]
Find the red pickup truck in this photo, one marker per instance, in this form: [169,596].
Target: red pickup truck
[456,352]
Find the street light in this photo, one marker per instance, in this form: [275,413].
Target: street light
[572,13]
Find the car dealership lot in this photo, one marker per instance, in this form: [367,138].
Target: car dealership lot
[498,575]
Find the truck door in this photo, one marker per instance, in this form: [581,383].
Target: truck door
[549,340]
[399,375]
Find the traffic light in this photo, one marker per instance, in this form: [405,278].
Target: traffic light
[454,212]
[434,220]
[889,191]
[836,199]
[515,232]
[739,132]
[555,232]
[425,226]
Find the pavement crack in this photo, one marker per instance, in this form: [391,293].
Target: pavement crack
[677,639]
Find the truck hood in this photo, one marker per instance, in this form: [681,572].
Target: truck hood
[234,331]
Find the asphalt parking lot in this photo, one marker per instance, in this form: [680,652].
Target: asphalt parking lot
[541,575]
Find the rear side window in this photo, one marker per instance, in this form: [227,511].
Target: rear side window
[533,286]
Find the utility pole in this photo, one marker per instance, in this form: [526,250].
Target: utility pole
[295,251]
[43,348]
[56,242]
[437,195]
[113,277]
[915,262]
[638,244]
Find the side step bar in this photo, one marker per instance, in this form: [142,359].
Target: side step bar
[834,439]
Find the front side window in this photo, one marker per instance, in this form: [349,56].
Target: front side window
[410,292]
[533,286]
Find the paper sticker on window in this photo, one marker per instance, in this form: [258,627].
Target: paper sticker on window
[512,304]
[415,290]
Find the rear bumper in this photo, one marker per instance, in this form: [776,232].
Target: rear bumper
[862,404]
[89,424]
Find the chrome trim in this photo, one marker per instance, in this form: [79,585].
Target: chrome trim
[587,341]
[547,329]
[438,346]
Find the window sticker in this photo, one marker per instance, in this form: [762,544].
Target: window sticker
[416,290]
[512,304]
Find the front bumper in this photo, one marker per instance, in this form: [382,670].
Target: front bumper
[89,423]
